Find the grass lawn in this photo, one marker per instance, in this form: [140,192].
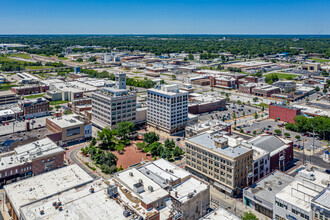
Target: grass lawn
[285,76]
[33,96]
[5,87]
[58,102]
[34,67]
[20,55]
[62,58]
[321,60]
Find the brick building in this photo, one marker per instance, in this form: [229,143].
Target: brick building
[280,150]
[283,113]
[208,103]
[81,105]
[30,89]
[252,79]
[68,129]
[34,107]
[30,159]
[265,91]
[224,82]
[246,88]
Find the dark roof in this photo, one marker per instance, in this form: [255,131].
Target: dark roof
[267,142]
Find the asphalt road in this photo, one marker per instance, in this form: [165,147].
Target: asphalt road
[274,126]
[316,160]
[78,162]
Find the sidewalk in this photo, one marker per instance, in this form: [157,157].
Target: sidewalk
[232,205]
[3,207]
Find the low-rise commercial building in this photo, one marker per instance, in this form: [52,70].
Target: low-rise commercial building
[27,90]
[226,168]
[261,195]
[205,103]
[31,190]
[152,191]
[321,206]
[280,150]
[285,86]
[34,107]
[8,97]
[265,91]
[68,129]
[246,88]
[283,113]
[294,201]
[30,159]
[214,125]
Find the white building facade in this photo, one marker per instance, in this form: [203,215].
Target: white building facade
[167,109]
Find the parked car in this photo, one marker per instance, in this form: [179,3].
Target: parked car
[248,132]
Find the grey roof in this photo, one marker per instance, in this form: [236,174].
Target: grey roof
[323,198]
[268,142]
[206,140]
[269,186]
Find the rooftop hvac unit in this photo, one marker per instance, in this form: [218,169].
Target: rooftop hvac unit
[150,188]
[140,181]
[131,173]
[112,190]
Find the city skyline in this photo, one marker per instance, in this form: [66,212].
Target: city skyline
[170,17]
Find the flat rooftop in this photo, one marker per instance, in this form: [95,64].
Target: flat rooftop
[206,140]
[66,121]
[163,172]
[188,189]
[130,177]
[302,191]
[44,185]
[77,203]
[220,213]
[28,152]
[269,186]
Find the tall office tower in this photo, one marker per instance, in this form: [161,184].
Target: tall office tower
[112,105]
[167,109]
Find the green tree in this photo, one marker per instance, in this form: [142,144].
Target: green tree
[92,59]
[155,148]
[177,152]
[256,115]
[278,132]
[324,90]
[317,89]
[255,132]
[119,147]
[191,57]
[79,60]
[107,138]
[286,134]
[249,216]
[150,137]
[125,129]
[297,137]
[141,145]
[255,99]
[173,77]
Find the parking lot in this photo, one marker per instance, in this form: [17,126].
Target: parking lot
[12,127]
[239,110]
[8,142]
[270,126]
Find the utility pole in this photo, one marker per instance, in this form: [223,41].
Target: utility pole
[303,151]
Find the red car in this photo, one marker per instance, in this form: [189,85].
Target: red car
[248,132]
[7,123]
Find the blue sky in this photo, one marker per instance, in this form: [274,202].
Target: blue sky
[164,17]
